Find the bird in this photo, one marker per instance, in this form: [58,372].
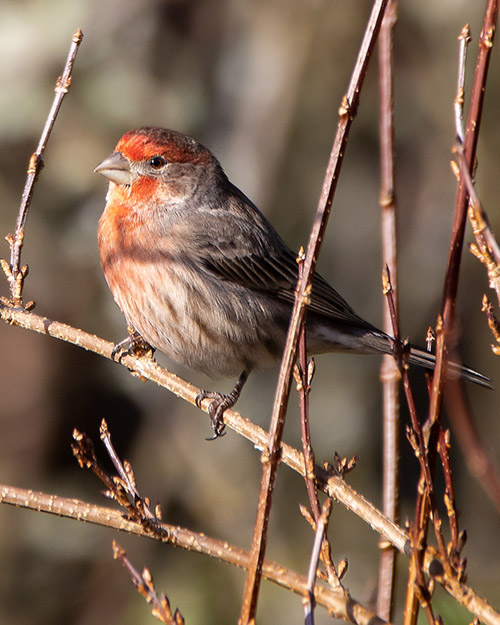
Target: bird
[201,275]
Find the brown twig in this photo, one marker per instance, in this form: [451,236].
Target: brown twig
[305,373]
[456,544]
[389,373]
[417,591]
[160,606]
[321,528]
[141,505]
[445,330]
[479,459]
[417,542]
[123,488]
[14,271]
[487,249]
[271,455]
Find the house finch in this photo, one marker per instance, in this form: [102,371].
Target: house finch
[201,274]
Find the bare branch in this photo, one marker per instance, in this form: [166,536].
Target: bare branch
[14,272]
[389,373]
[338,603]
[271,457]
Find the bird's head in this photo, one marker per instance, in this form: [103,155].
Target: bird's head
[154,166]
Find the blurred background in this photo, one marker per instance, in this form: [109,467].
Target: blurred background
[259,83]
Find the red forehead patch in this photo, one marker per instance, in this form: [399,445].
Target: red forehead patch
[144,143]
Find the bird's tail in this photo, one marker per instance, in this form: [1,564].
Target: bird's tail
[425,359]
[377,341]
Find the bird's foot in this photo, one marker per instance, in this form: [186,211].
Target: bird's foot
[219,404]
[134,344]
[216,408]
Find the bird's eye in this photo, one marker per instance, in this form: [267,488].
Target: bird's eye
[157,162]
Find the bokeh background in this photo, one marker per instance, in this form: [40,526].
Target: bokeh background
[260,83]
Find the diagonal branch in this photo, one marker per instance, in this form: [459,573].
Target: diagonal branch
[271,455]
[146,368]
[15,273]
[337,603]
[340,605]
[445,329]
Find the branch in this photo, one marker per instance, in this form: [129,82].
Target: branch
[148,369]
[389,372]
[271,457]
[445,331]
[14,272]
[338,603]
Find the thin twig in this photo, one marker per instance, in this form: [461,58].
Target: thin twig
[445,331]
[304,379]
[15,273]
[122,490]
[417,591]
[271,456]
[321,527]
[305,372]
[464,38]
[160,606]
[449,498]
[124,469]
[389,373]
[479,459]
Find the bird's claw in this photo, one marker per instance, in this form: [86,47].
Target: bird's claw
[220,404]
[216,408]
[133,344]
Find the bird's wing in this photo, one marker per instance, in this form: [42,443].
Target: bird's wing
[257,258]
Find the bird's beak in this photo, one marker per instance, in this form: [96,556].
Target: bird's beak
[116,168]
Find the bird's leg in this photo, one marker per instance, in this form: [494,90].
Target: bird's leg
[133,344]
[219,404]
